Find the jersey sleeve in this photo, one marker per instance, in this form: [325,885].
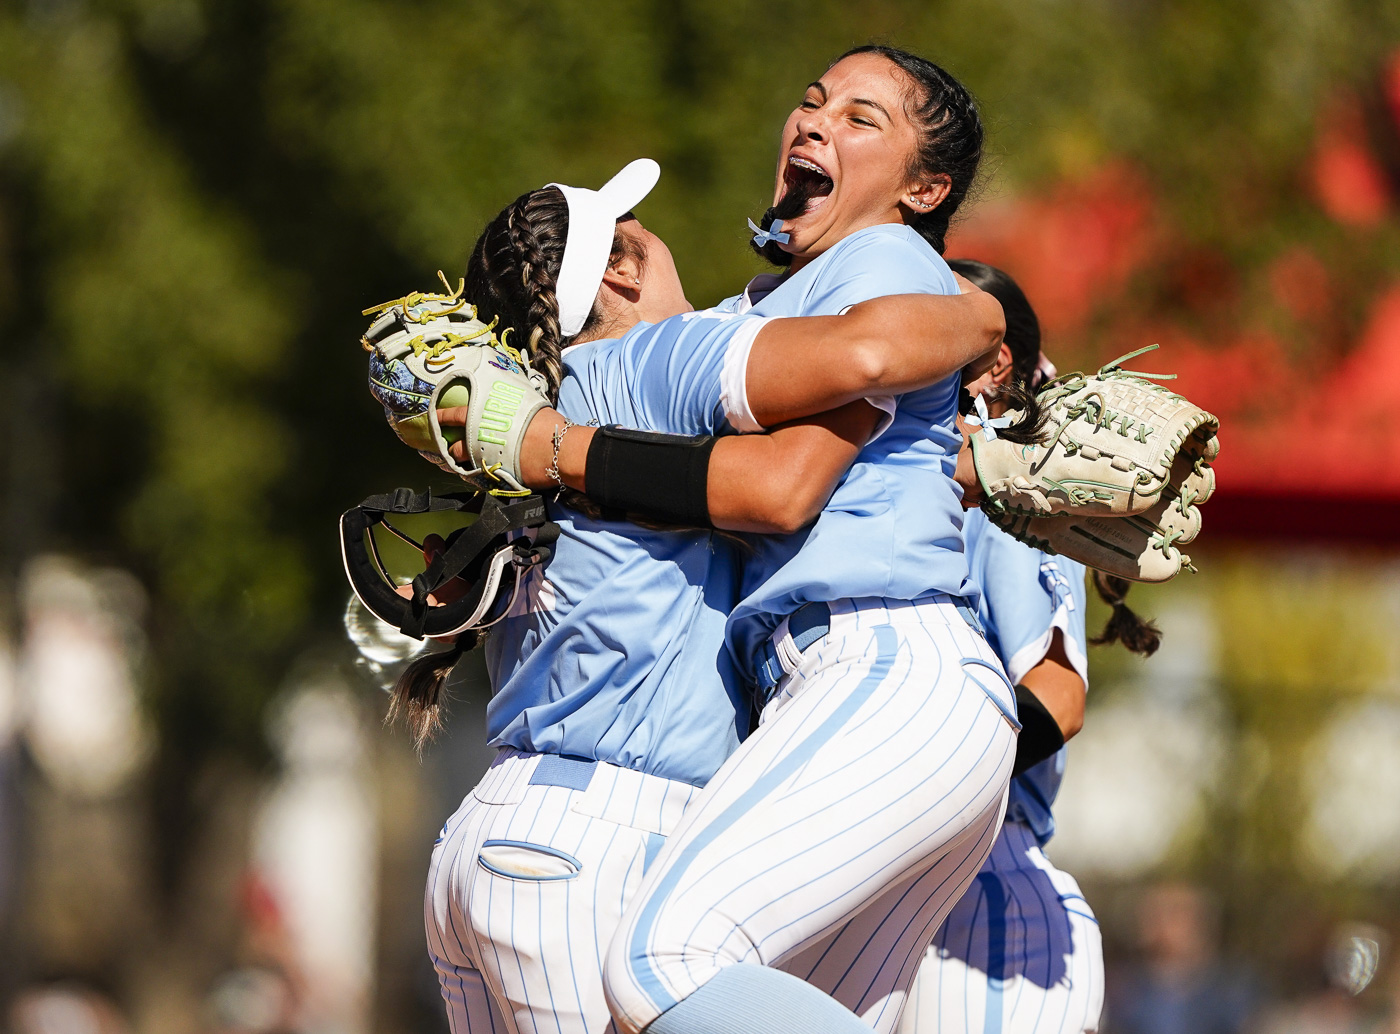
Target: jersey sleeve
[1026,596]
[870,265]
[675,372]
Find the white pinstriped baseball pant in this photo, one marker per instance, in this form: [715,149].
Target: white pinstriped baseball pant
[527,884]
[1019,954]
[834,842]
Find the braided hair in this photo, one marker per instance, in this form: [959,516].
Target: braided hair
[514,270]
[1023,339]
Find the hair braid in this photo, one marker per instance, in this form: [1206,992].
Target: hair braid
[513,271]
[539,273]
[1124,625]
[513,275]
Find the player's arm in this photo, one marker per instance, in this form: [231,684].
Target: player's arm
[884,346]
[1050,704]
[770,483]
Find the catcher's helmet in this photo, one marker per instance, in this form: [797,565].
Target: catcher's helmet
[488,547]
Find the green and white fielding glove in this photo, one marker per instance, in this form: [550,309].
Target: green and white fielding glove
[1115,439]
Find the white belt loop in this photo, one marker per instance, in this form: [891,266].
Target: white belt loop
[789,656]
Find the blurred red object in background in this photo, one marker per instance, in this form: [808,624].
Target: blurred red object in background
[1071,250]
[1347,180]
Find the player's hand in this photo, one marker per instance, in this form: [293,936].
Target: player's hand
[965,473]
[536,447]
[976,375]
[983,364]
[448,592]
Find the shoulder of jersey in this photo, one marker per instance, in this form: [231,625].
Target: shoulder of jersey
[898,242]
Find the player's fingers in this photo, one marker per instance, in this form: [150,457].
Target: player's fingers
[433,544]
[453,416]
[458,451]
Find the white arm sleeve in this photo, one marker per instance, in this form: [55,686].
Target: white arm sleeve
[733,385]
[733,377]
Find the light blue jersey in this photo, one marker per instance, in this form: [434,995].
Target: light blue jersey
[1026,595]
[616,650]
[893,527]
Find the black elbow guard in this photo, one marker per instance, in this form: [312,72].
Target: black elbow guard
[662,476]
[1040,734]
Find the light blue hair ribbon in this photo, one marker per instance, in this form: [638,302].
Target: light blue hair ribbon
[762,236]
[981,418]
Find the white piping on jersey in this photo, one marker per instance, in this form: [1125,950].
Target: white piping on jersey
[1028,656]
[733,378]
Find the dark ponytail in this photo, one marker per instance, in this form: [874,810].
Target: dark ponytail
[418,692]
[950,135]
[1124,626]
[1023,339]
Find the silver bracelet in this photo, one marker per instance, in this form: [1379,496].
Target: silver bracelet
[553,469]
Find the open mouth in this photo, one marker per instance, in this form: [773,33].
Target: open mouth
[806,184]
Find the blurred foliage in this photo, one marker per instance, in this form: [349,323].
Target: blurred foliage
[197,197]
[1269,648]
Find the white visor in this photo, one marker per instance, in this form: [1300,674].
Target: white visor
[593,216]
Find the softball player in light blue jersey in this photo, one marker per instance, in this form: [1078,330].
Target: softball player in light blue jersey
[614,702]
[831,845]
[1020,953]
[615,696]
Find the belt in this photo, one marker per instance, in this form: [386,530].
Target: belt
[558,770]
[775,659]
[781,653]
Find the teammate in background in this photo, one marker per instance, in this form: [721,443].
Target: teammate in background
[1020,953]
[614,697]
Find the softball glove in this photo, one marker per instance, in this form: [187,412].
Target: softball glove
[429,352]
[1117,438]
[1144,547]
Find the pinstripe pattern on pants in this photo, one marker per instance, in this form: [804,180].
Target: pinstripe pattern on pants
[526,886]
[856,814]
[1020,953]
